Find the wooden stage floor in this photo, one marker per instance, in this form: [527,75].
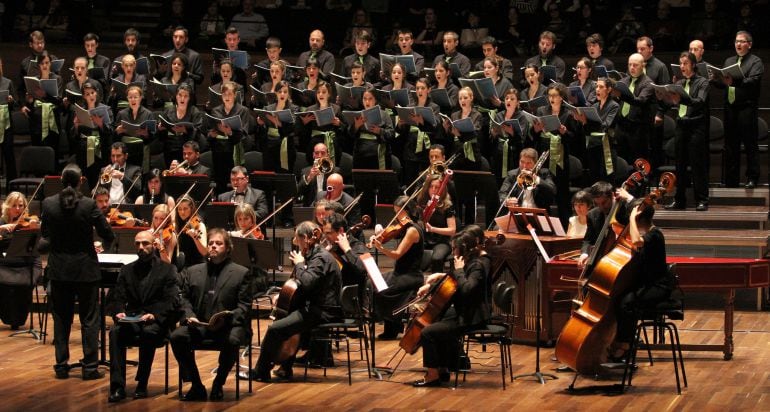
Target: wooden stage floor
[27,380]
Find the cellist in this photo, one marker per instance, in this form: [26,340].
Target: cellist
[406,276]
[470,306]
[318,276]
[604,196]
[652,282]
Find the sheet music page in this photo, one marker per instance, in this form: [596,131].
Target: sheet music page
[558,229]
[506,224]
[374,272]
[539,244]
[544,223]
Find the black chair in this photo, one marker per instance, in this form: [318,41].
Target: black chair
[164,344]
[346,166]
[212,345]
[660,319]
[207,159]
[495,332]
[352,323]
[300,163]
[253,161]
[35,162]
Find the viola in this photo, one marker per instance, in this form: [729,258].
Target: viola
[24,221]
[118,218]
[583,342]
[434,200]
[363,224]
[396,229]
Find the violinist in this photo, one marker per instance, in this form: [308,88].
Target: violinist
[604,197]
[540,194]
[318,276]
[154,193]
[441,225]
[15,289]
[165,237]
[337,194]
[190,232]
[470,307]
[406,276]
[246,221]
[652,283]
[102,199]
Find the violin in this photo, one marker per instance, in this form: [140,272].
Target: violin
[396,229]
[363,224]
[24,221]
[194,224]
[118,218]
[256,232]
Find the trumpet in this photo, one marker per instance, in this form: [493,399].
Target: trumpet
[106,176]
[172,171]
[324,164]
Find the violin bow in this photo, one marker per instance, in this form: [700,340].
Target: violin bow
[26,208]
[352,204]
[171,212]
[197,209]
[268,217]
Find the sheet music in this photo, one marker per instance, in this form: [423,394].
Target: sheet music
[374,272]
[506,223]
[539,244]
[558,229]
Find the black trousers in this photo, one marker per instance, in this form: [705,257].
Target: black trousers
[147,337]
[296,322]
[63,294]
[691,147]
[438,256]
[741,127]
[631,303]
[185,339]
[401,288]
[441,346]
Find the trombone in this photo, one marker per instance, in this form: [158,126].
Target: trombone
[172,171]
[438,168]
[324,164]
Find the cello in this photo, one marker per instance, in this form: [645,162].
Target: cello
[583,343]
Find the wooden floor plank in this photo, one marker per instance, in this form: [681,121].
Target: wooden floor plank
[27,380]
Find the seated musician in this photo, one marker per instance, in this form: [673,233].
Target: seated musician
[190,232]
[246,222]
[441,225]
[15,288]
[121,174]
[209,288]
[406,276]
[191,153]
[154,192]
[146,289]
[581,203]
[542,192]
[470,307]
[604,197]
[346,249]
[162,227]
[243,193]
[312,181]
[652,282]
[337,194]
[318,276]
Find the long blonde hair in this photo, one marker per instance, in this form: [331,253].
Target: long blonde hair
[12,198]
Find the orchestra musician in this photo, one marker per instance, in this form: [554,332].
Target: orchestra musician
[337,194]
[210,288]
[318,275]
[15,287]
[604,197]
[243,192]
[165,236]
[470,306]
[190,232]
[442,224]
[540,195]
[120,175]
[68,223]
[347,250]
[154,192]
[406,275]
[191,153]
[102,199]
[245,221]
[652,282]
[312,181]
[146,289]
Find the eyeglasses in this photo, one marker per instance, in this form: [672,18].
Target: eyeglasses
[741,41]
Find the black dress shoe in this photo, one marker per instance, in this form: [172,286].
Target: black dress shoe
[92,374]
[216,393]
[387,336]
[117,395]
[141,390]
[702,207]
[196,393]
[62,374]
[259,377]
[444,376]
[675,206]
[284,374]
[751,184]
[422,383]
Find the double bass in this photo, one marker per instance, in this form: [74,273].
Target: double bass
[583,343]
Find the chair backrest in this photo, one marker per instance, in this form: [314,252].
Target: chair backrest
[716,129]
[20,123]
[575,169]
[206,158]
[761,129]
[669,127]
[504,300]
[37,161]
[346,166]
[253,161]
[300,163]
[351,306]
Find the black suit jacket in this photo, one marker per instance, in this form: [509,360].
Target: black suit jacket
[309,190]
[254,197]
[595,223]
[159,297]
[131,171]
[544,192]
[232,292]
[70,239]
[472,299]
[643,103]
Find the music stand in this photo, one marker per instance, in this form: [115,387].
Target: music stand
[219,214]
[24,246]
[124,240]
[52,185]
[177,185]
[302,213]
[279,186]
[524,216]
[472,185]
[254,253]
[378,186]
[539,376]
[143,211]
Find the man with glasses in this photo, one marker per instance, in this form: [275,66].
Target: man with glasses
[741,110]
[243,193]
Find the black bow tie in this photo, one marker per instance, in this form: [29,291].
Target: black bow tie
[240,194]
